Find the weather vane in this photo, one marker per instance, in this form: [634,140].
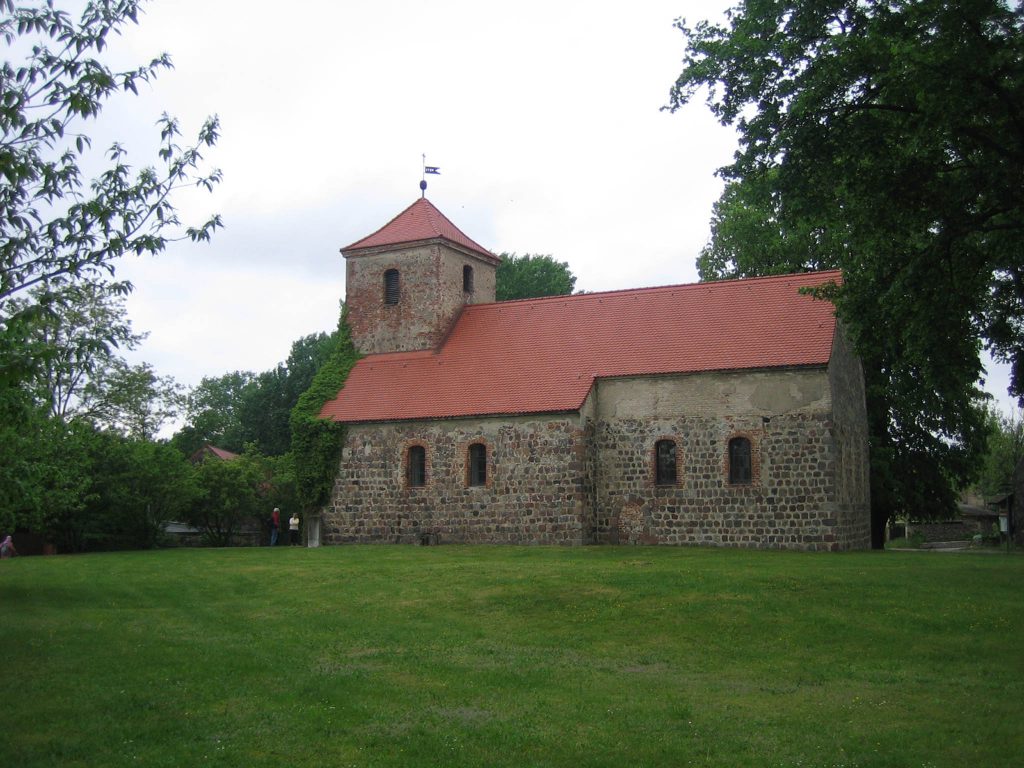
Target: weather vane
[427,169]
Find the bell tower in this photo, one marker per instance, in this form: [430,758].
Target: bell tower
[406,284]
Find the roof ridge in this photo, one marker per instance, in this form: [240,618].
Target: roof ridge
[391,221]
[663,288]
[432,214]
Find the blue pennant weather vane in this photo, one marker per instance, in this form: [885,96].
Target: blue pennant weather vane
[432,169]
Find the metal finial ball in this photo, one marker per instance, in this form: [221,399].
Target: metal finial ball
[423,185]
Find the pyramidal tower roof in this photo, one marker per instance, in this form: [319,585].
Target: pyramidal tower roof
[420,221]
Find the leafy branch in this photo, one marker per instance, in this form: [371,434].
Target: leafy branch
[54,226]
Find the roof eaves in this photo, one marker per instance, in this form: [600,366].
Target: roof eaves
[432,223]
[468,415]
[372,250]
[698,371]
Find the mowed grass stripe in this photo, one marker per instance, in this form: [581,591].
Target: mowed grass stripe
[506,656]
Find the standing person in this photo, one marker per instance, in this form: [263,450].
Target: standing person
[275,525]
[293,529]
[7,548]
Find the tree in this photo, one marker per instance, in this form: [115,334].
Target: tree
[266,406]
[138,486]
[1005,452]
[60,237]
[57,485]
[133,400]
[85,488]
[74,340]
[242,407]
[228,495]
[55,228]
[77,372]
[213,413]
[531,276]
[883,138]
[32,462]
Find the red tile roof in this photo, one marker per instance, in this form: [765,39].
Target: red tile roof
[542,355]
[220,453]
[420,221]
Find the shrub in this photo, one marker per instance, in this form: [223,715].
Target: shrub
[913,541]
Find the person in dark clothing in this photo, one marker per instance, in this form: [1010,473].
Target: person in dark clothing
[275,526]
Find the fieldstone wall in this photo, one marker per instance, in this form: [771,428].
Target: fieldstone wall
[535,491]
[788,504]
[950,530]
[430,295]
[793,500]
[589,477]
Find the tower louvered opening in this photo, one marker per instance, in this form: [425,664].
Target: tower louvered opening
[391,287]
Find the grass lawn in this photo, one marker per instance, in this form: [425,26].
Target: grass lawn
[508,656]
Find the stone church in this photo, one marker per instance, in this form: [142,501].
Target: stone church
[720,414]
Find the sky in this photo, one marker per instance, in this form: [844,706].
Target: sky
[544,117]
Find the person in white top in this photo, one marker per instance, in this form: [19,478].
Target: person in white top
[293,529]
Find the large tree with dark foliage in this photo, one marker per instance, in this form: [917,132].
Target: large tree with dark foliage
[884,137]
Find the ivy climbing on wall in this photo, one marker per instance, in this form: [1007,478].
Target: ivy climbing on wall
[316,442]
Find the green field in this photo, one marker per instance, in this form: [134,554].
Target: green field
[508,656]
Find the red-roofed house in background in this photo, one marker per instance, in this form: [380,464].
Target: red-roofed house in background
[209,451]
[724,414]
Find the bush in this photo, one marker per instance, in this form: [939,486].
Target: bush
[914,541]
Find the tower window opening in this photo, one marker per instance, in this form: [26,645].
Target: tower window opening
[391,286]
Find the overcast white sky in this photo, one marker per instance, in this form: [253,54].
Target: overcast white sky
[543,116]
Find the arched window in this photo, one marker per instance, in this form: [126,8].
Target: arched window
[467,279]
[740,472]
[478,464]
[665,462]
[416,466]
[391,288]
